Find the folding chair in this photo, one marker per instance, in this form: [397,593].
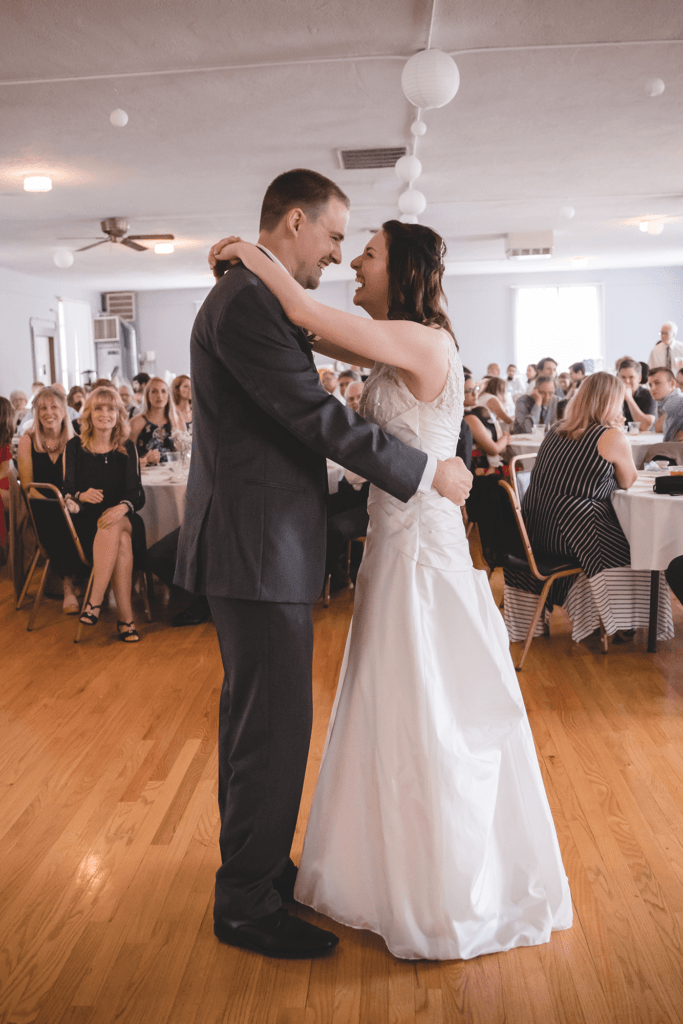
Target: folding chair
[521,477]
[666,451]
[546,571]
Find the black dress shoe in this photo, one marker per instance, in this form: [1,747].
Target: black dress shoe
[194,614]
[284,885]
[277,935]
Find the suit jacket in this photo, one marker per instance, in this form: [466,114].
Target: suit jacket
[524,423]
[256,506]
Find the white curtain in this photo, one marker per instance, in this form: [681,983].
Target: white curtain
[76,342]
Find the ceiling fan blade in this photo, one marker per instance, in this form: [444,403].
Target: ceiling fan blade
[75,238]
[84,247]
[156,238]
[133,245]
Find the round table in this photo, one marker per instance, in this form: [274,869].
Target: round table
[164,506]
[653,524]
[528,444]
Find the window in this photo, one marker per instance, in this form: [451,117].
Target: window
[563,322]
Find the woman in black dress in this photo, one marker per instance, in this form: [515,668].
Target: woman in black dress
[152,431]
[103,490]
[487,445]
[40,458]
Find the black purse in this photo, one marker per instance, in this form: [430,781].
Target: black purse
[669,484]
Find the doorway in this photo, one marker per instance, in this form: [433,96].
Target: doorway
[44,365]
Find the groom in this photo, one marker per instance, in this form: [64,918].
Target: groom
[253,541]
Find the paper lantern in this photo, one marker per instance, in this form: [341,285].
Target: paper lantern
[63,258]
[408,218]
[567,212]
[408,168]
[654,87]
[119,118]
[430,79]
[411,201]
[418,128]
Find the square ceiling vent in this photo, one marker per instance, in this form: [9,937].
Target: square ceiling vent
[369,159]
[533,245]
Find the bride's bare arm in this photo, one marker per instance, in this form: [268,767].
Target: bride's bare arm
[401,343]
[326,348]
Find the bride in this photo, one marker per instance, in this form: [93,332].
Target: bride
[430,824]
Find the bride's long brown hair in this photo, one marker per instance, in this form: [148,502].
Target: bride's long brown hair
[415,264]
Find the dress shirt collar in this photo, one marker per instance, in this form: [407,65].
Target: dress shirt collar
[272,255]
[672,400]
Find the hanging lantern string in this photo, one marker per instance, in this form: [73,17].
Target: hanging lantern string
[431,26]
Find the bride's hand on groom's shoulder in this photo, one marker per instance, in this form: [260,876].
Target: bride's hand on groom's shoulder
[218,261]
[453,480]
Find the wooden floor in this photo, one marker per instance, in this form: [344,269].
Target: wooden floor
[108,842]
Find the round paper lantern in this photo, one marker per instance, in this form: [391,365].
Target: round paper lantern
[567,212]
[63,258]
[408,168]
[411,201]
[119,118]
[430,79]
[655,227]
[654,87]
[418,128]
[408,218]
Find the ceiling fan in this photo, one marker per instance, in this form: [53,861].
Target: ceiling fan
[116,230]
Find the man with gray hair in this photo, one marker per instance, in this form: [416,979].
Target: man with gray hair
[667,352]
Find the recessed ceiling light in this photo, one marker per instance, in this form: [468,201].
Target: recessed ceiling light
[37,184]
[644,225]
[655,227]
[164,247]
[580,261]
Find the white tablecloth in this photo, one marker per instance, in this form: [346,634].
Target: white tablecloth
[653,523]
[527,444]
[164,506]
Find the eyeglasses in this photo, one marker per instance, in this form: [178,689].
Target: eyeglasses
[471,391]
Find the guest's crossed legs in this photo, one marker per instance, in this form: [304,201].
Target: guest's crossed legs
[264,735]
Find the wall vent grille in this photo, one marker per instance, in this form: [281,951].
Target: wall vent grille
[121,304]
[106,328]
[369,159]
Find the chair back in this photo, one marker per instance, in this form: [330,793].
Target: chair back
[672,451]
[49,515]
[521,527]
[521,478]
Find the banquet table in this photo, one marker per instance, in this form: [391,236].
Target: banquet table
[528,444]
[164,506]
[653,525]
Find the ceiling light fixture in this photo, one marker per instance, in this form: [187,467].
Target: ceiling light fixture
[163,248]
[63,258]
[119,118]
[644,225]
[654,87]
[655,227]
[567,212]
[37,183]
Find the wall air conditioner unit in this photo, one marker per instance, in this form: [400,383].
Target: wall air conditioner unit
[107,328]
[121,304]
[532,245]
[116,350]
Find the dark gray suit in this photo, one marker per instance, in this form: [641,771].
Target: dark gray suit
[253,540]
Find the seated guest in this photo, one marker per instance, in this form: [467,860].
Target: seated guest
[18,401]
[329,381]
[161,559]
[6,435]
[347,519]
[548,368]
[537,409]
[353,393]
[76,399]
[181,392]
[569,515]
[564,380]
[493,370]
[513,383]
[126,396]
[531,375]
[639,405]
[577,374]
[561,409]
[40,458]
[152,430]
[670,403]
[488,443]
[345,378]
[140,382]
[103,491]
[492,397]
[679,379]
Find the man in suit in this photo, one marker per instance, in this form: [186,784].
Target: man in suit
[253,541]
[538,408]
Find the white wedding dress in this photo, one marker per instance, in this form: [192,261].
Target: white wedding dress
[430,824]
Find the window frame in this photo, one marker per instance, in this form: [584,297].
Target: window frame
[601,362]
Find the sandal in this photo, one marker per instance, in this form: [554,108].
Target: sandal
[87,617]
[128,636]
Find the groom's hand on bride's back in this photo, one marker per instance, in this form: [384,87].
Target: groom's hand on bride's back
[453,480]
[219,266]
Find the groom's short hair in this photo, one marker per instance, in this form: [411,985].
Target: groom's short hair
[307,190]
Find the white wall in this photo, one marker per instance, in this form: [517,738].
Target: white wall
[23,297]
[637,302]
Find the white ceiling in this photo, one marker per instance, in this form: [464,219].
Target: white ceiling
[223,96]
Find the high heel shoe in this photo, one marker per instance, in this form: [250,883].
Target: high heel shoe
[87,617]
[128,636]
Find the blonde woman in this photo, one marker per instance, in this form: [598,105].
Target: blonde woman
[103,490]
[181,392]
[569,515]
[152,430]
[40,458]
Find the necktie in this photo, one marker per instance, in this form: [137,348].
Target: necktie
[668,357]
[542,417]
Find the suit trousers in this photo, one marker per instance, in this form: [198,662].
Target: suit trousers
[266,713]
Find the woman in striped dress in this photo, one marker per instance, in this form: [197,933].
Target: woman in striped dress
[568,512]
